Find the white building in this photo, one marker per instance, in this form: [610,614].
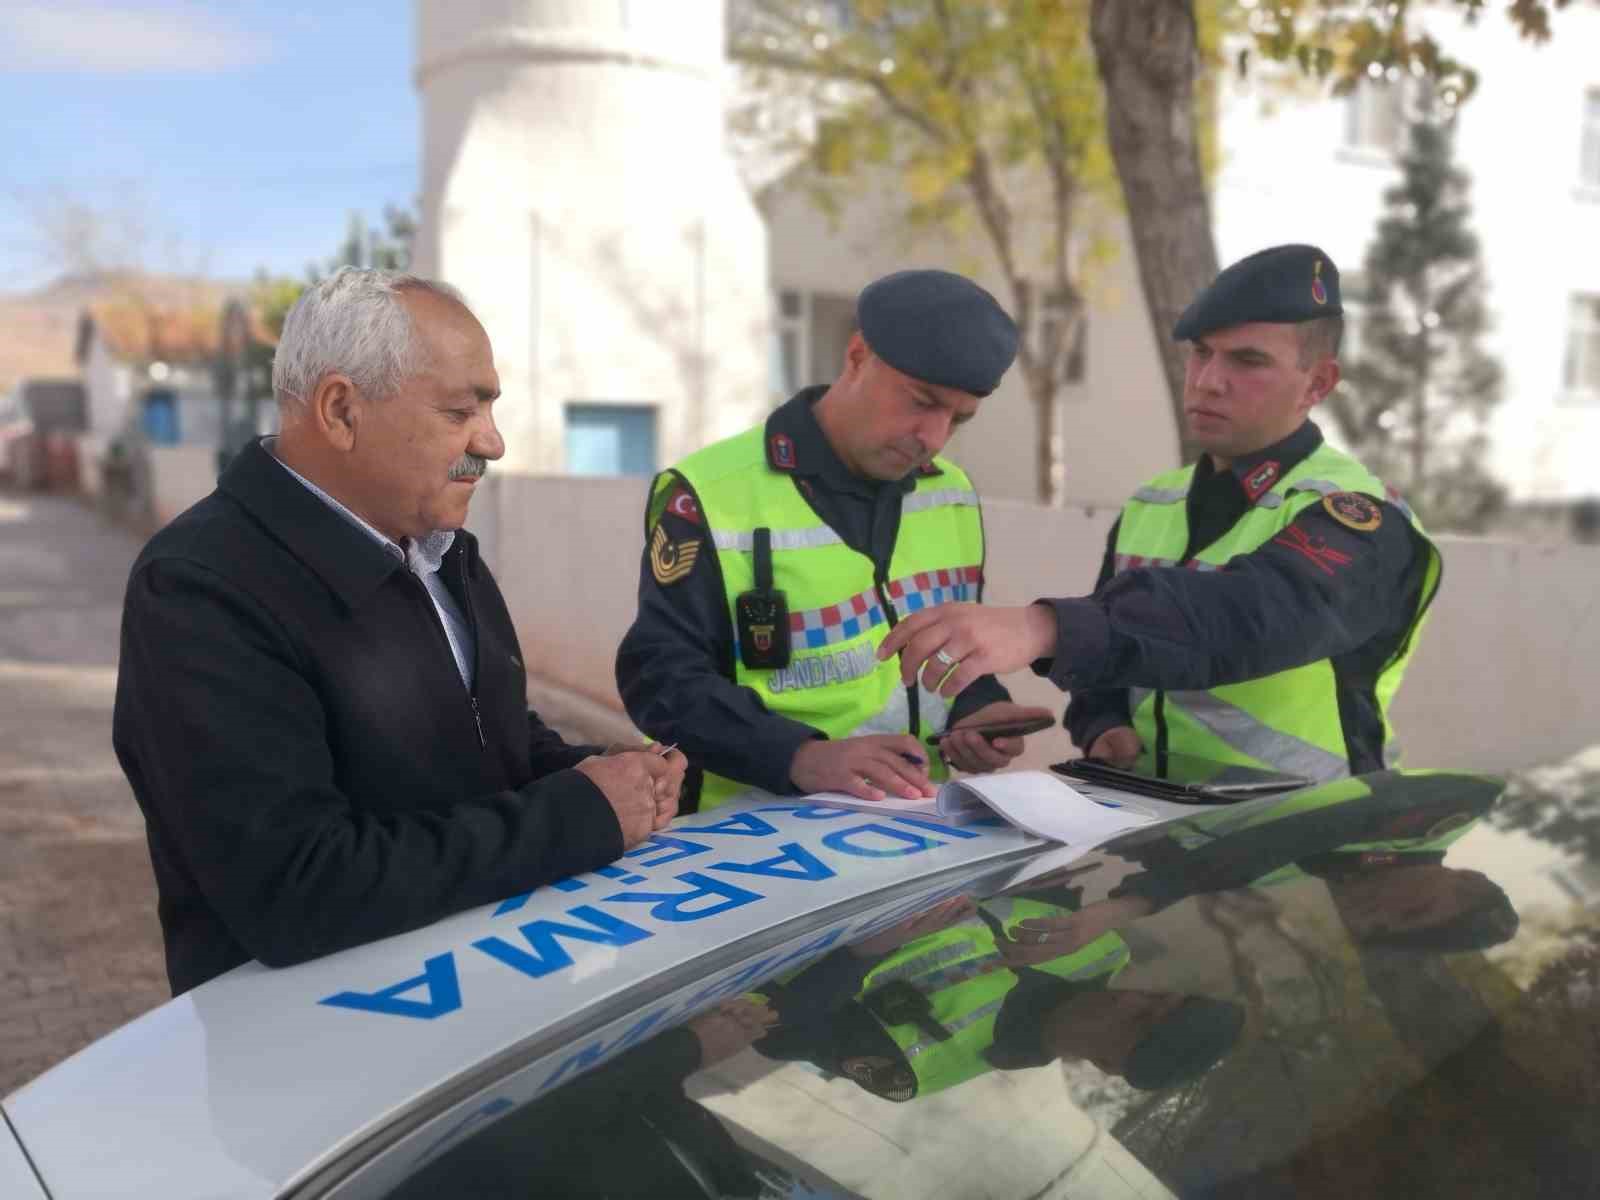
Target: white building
[1311,169]
[577,186]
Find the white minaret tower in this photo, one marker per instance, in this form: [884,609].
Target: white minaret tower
[576,187]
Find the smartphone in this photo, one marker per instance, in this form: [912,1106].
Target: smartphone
[1001,729]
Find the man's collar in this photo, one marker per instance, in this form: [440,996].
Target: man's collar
[1258,471]
[423,555]
[796,445]
[348,559]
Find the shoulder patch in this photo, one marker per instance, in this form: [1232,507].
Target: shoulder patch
[671,560]
[681,503]
[1354,510]
[780,452]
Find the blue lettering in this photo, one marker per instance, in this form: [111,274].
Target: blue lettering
[676,906]
[744,824]
[548,953]
[938,827]
[597,1051]
[662,841]
[512,903]
[794,862]
[438,976]
[492,1109]
[808,812]
[810,950]
[909,843]
[741,981]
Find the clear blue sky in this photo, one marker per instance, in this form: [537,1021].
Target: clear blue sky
[243,132]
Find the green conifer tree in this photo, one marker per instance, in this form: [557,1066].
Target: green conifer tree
[1417,393]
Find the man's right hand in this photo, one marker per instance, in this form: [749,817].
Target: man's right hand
[1118,746]
[870,767]
[631,783]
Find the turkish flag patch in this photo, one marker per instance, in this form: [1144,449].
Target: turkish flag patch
[682,504]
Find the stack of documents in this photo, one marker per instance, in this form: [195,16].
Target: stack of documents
[1035,801]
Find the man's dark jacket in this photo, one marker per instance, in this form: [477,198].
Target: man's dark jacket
[313,772]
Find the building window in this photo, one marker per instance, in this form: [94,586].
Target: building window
[1375,117]
[789,344]
[611,439]
[1589,162]
[1581,378]
[810,331]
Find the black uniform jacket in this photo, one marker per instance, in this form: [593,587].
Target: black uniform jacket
[1321,589]
[312,770]
[675,666]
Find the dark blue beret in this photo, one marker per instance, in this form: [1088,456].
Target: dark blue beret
[1282,285]
[938,327]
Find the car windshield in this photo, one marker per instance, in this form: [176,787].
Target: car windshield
[1311,994]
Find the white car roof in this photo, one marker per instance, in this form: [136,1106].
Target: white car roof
[262,1081]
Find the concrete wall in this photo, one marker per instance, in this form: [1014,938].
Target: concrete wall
[1508,673]
[179,475]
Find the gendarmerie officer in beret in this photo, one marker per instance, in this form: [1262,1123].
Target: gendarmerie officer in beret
[1255,608]
[776,561]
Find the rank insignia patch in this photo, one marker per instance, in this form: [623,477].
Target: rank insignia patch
[1354,510]
[670,561]
[781,450]
[1259,481]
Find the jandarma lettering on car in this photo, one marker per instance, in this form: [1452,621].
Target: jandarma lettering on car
[724,871]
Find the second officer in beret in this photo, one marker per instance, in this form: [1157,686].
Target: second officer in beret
[776,561]
[1255,608]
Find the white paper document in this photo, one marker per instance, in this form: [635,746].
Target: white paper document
[1035,801]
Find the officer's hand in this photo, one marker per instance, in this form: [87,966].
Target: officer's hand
[870,767]
[1040,939]
[969,751]
[1119,746]
[730,1027]
[640,786]
[954,644]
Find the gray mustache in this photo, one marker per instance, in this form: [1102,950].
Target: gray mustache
[468,466]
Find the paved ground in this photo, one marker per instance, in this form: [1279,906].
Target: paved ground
[80,949]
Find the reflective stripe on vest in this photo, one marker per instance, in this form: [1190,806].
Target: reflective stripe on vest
[838,612]
[961,966]
[1289,721]
[1252,737]
[782,539]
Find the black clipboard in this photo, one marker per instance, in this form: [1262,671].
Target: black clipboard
[1187,780]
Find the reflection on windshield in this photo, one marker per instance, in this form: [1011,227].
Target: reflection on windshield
[1281,997]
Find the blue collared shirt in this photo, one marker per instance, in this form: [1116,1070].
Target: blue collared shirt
[422,557]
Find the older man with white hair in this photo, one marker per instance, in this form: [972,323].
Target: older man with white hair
[321,699]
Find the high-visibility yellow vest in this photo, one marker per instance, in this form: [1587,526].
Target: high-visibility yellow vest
[838,612]
[1288,721]
[964,982]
